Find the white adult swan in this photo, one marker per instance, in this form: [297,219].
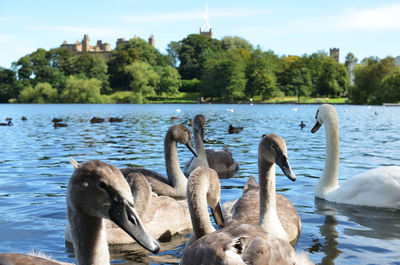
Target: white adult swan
[265,243]
[175,185]
[378,187]
[162,216]
[96,191]
[220,160]
[246,209]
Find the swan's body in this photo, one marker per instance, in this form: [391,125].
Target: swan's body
[96,191]
[175,185]
[379,187]
[162,216]
[24,259]
[220,160]
[246,210]
[265,243]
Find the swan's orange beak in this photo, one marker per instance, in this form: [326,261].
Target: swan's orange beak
[316,127]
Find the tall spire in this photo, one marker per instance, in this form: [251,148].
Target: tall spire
[207,26]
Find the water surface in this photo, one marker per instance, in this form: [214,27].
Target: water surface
[35,168]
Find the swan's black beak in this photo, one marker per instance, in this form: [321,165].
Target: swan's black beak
[316,127]
[218,216]
[125,216]
[190,147]
[283,163]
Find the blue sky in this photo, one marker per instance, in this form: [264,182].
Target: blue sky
[363,27]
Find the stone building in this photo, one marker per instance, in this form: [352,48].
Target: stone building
[334,53]
[100,47]
[84,46]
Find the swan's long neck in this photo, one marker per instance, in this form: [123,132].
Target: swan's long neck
[201,159]
[329,179]
[199,215]
[269,220]
[89,238]
[175,176]
[142,197]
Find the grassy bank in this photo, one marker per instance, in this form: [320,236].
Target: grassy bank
[193,97]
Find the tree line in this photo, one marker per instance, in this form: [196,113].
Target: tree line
[226,70]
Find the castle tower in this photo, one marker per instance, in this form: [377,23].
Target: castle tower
[334,53]
[152,41]
[209,33]
[85,43]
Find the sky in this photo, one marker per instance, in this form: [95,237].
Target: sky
[287,27]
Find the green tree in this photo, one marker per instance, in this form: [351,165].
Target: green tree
[82,90]
[8,88]
[142,80]
[190,55]
[261,82]
[170,80]
[41,93]
[126,54]
[261,74]
[300,82]
[38,67]
[315,64]
[333,80]
[389,91]
[224,76]
[91,66]
[234,42]
[24,68]
[368,77]
[173,52]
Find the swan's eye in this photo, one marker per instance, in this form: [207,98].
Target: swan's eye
[102,185]
[316,115]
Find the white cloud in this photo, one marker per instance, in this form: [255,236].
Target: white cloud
[170,17]
[4,38]
[381,18]
[192,15]
[76,30]
[23,50]
[384,18]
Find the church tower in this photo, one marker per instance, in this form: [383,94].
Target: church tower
[203,32]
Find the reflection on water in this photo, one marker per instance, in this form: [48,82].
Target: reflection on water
[35,169]
[373,222]
[330,246]
[171,252]
[357,221]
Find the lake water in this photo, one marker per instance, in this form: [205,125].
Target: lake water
[35,168]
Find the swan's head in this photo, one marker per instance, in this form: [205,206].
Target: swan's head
[205,180]
[199,125]
[99,190]
[272,149]
[181,134]
[323,114]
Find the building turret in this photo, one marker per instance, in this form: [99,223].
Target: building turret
[85,43]
[152,41]
[334,53]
